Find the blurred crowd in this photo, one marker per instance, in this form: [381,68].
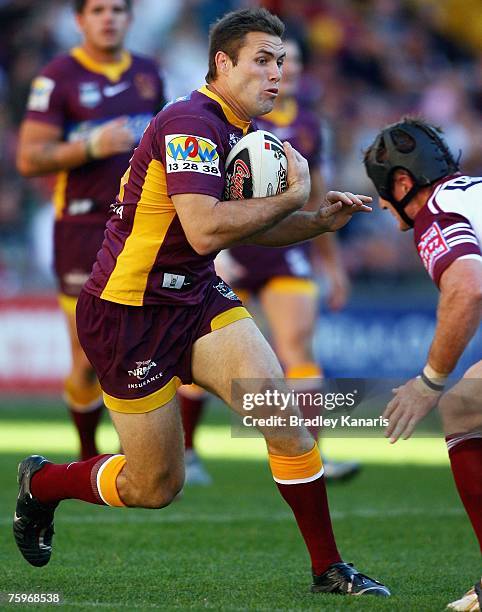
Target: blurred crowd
[367,63]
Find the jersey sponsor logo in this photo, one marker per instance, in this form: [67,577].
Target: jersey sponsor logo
[141,372]
[175,281]
[39,99]
[432,246]
[113,90]
[188,153]
[89,94]
[142,369]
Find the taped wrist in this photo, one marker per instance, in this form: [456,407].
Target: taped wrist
[433,380]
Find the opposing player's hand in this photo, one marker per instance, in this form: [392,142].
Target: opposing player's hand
[339,207]
[412,402]
[299,182]
[111,138]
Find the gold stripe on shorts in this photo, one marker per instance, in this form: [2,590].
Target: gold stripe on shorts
[144,404]
[229,316]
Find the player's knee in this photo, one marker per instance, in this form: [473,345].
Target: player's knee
[461,408]
[157,492]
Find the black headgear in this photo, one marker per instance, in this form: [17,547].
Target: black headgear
[415,147]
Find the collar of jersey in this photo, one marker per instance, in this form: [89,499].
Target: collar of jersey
[283,116]
[227,110]
[112,71]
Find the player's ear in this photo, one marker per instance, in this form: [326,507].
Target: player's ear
[79,22]
[223,63]
[405,180]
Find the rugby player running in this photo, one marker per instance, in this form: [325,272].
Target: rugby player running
[154,314]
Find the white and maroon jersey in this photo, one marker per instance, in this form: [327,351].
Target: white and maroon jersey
[449,226]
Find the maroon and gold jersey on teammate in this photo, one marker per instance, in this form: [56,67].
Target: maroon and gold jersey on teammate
[77,94]
[145,257]
[301,128]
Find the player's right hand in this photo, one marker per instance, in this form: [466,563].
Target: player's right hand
[111,138]
[299,183]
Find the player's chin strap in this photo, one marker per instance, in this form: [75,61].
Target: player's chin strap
[400,205]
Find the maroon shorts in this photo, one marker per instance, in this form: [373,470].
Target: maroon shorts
[265,263]
[142,354]
[76,244]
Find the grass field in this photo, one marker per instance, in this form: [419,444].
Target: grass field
[235,546]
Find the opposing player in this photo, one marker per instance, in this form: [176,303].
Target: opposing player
[282,278]
[420,184]
[86,112]
[154,314]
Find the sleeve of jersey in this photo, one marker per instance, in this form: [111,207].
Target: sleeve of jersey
[448,238]
[191,153]
[45,102]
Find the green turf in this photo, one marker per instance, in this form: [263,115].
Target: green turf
[234,546]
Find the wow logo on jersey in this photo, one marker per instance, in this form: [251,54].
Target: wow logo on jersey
[188,153]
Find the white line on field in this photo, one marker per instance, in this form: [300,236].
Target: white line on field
[159,517]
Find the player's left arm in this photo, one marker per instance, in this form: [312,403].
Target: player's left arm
[335,211]
[458,317]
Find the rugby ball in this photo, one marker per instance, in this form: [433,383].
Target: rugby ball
[256,167]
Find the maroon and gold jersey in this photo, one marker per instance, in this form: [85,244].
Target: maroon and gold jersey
[77,94]
[302,129]
[145,257]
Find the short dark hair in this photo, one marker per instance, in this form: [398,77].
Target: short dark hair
[79,5]
[228,33]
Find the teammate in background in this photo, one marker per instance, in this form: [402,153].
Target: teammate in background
[419,182]
[153,313]
[282,278]
[86,112]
